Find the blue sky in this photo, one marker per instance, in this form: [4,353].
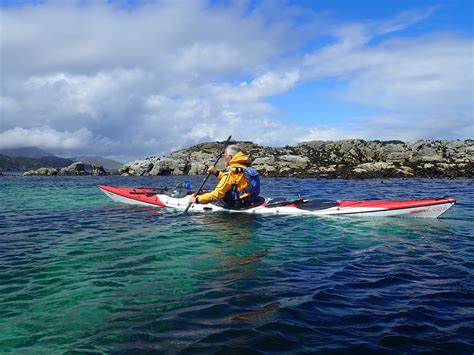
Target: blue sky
[128,79]
[449,16]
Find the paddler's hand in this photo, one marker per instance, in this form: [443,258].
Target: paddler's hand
[192,199]
[212,170]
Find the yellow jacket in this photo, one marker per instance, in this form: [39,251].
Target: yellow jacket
[228,178]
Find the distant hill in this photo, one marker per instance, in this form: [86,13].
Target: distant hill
[27,152]
[25,163]
[28,158]
[108,164]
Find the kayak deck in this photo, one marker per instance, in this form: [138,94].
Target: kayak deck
[178,199]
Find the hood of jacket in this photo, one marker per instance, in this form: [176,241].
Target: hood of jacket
[240,159]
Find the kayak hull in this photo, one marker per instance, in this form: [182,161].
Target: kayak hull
[429,208]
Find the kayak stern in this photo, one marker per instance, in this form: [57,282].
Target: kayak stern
[132,196]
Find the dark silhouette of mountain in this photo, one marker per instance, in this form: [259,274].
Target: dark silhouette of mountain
[25,163]
[28,158]
[26,152]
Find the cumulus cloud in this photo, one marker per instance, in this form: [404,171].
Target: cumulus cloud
[268,84]
[421,85]
[399,71]
[175,37]
[45,137]
[129,81]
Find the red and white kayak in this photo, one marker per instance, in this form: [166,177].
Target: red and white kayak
[178,199]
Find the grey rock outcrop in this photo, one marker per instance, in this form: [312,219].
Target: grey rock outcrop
[98,170]
[153,166]
[42,171]
[74,169]
[352,158]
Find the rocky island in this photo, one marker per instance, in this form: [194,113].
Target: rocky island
[347,159]
[75,169]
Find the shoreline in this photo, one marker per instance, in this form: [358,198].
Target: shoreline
[7,174]
[348,159]
[344,159]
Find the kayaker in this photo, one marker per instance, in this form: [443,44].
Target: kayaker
[239,184]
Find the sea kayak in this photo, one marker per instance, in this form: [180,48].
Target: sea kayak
[178,199]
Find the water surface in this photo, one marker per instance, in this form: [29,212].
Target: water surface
[80,273]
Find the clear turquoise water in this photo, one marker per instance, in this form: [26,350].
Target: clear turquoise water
[80,273]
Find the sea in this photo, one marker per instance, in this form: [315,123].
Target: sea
[81,274]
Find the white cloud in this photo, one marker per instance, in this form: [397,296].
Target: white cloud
[410,74]
[397,126]
[422,84]
[181,37]
[138,81]
[45,137]
[268,84]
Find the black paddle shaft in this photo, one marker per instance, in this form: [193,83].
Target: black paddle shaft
[209,174]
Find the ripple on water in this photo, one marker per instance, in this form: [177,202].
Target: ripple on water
[80,273]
